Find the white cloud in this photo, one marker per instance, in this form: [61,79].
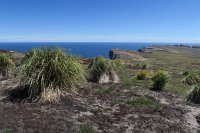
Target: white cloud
[94,38]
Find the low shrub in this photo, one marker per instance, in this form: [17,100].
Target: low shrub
[49,73]
[6,65]
[160,80]
[194,96]
[144,74]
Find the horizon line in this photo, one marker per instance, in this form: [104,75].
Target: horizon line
[98,42]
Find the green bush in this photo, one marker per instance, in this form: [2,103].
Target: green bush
[194,96]
[6,65]
[160,80]
[49,73]
[192,78]
[100,66]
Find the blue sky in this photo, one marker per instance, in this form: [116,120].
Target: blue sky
[100,20]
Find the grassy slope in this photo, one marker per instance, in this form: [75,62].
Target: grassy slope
[175,60]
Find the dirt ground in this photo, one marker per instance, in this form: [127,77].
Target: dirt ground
[105,111]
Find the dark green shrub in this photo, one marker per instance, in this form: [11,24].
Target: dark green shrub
[194,96]
[6,65]
[49,73]
[160,80]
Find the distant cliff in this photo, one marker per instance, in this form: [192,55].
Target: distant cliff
[125,55]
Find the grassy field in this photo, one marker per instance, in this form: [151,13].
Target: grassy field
[171,60]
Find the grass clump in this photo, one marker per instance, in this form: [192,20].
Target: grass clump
[6,65]
[142,75]
[49,73]
[100,66]
[117,64]
[144,102]
[194,96]
[192,78]
[160,80]
[86,129]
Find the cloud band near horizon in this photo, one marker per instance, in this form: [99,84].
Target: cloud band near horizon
[95,38]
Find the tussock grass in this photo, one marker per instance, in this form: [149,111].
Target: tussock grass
[194,96]
[100,66]
[6,65]
[192,78]
[50,73]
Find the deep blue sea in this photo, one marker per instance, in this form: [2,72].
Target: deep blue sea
[83,49]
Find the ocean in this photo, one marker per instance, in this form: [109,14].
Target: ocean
[82,49]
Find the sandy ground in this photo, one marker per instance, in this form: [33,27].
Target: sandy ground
[106,113]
